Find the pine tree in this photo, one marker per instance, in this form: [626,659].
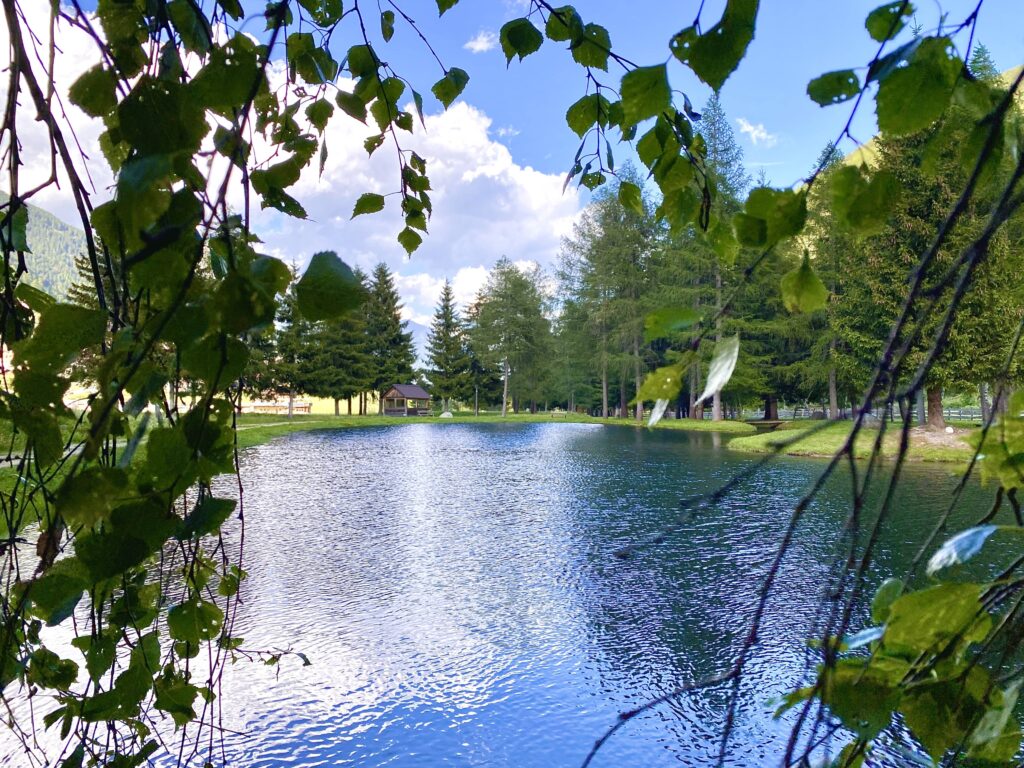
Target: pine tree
[340,362]
[389,345]
[294,345]
[447,351]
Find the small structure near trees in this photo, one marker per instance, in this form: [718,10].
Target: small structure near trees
[406,400]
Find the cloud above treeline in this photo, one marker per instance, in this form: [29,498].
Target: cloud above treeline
[758,134]
[486,204]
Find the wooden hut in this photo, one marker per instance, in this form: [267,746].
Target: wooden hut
[406,400]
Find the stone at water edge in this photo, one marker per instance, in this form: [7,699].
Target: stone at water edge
[447,415]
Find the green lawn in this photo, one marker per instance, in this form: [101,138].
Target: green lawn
[938,447]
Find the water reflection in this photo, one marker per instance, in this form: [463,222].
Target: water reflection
[454,587]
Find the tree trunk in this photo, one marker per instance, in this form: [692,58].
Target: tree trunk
[691,410]
[983,397]
[636,378]
[833,391]
[291,402]
[716,398]
[935,417]
[604,390]
[504,394]
[350,406]
[380,403]
[337,406]
[623,400]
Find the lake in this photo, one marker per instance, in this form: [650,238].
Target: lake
[455,589]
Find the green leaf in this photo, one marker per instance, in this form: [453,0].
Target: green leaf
[319,112]
[834,87]
[175,696]
[14,229]
[194,621]
[368,202]
[862,695]
[802,290]
[99,651]
[91,495]
[445,5]
[723,363]
[887,593]
[592,48]
[863,205]
[324,12]
[783,212]
[913,97]
[519,38]
[564,24]
[678,207]
[362,61]
[63,332]
[667,321]
[663,383]
[159,117]
[450,87]
[195,31]
[924,620]
[631,198]
[715,55]
[589,111]
[95,91]
[940,714]
[351,105]
[48,670]
[387,25]
[55,594]
[645,93]
[328,288]
[410,240]
[886,21]
[207,517]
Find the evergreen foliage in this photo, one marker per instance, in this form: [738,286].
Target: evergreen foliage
[448,351]
[389,346]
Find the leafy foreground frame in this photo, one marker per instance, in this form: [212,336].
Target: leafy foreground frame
[110,529]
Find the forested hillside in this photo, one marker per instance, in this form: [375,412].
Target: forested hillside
[54,244]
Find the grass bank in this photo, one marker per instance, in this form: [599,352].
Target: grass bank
[255,429]
[802,440]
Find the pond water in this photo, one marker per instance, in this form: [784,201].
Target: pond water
[455,590]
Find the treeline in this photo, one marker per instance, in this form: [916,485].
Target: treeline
[366,350]
[629,292]
[631,289]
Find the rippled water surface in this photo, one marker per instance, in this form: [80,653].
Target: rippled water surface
[455,590]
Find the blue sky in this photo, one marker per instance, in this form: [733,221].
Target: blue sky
[796,40]
[498,156]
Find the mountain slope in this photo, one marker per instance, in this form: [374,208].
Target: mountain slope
[54,246]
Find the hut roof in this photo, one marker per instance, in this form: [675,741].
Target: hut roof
[411,390]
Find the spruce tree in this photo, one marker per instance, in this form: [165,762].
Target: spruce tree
[389,345]
[447,351]
[340,363]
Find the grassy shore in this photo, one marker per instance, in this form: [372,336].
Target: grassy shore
[803,440]
[254,429]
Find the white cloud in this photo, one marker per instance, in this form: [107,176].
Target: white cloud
[757,134]
[486,205]
[481,42]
